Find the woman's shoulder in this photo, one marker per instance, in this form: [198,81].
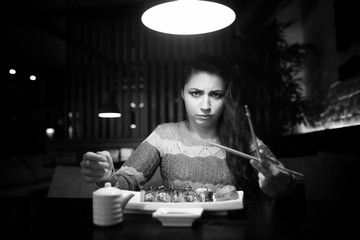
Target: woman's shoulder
[170,125]
[170,129]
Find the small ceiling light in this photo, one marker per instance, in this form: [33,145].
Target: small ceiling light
[110,109]
[187,17]
[12,71]
[133,105]
[32,77]
[50,132]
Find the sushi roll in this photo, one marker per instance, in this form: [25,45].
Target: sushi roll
[204,194]
[149,194]
[174,192]
[163,194]
[189,194]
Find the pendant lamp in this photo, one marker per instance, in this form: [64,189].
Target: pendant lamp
[110,109]
[188,17]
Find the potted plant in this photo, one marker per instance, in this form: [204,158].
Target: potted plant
[268,70]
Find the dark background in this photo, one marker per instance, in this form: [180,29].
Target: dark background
[35,40]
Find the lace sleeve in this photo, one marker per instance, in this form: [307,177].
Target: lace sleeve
[137,170]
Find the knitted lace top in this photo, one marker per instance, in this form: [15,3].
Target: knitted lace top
[182,160]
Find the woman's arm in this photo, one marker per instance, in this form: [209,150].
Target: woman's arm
[140,166]
[137,170]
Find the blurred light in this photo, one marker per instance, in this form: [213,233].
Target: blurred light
[141,105]
[12,71]
[186,17]
[109,115]
[133,105]
[327,125]
[50,132]
[133,126]
[32,77]
[125,153]
[71,132]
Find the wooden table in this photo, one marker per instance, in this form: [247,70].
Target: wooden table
[71,218]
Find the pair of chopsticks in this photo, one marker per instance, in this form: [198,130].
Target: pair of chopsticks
[241,154]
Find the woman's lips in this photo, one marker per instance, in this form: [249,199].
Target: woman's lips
[204,116]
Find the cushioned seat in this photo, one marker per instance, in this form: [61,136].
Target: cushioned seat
[25,175]
[68,182]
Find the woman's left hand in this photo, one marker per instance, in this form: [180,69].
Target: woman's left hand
[272,180]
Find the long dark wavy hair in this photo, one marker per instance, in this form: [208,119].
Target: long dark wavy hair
[233,128]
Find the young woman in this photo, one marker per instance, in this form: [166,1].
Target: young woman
[182,149]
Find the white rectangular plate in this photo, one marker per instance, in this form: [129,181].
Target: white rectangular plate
[135,206]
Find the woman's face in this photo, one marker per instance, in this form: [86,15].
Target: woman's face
[203,96]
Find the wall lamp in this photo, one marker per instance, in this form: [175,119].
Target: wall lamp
[110,109]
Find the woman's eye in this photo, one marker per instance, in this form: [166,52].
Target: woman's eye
[217,95]
[195,94]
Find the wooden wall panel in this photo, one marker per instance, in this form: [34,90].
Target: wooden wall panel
[144,67]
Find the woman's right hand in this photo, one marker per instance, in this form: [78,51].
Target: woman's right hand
[97,167]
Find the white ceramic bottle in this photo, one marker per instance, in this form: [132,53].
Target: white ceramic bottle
[108,205]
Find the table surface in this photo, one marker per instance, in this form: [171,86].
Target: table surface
[71,218]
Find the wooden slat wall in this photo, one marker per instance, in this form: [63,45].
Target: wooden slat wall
[143,66]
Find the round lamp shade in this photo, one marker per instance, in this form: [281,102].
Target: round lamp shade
[188,17]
